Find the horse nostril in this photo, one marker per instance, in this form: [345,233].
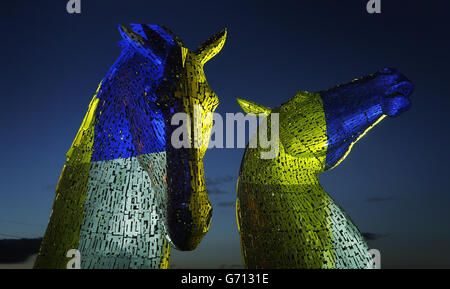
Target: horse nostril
[403,88]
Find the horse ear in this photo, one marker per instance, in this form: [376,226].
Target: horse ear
[211,47]
[130,36]
[252,107]
[144,38]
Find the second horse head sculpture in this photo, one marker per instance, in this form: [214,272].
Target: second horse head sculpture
[285,217]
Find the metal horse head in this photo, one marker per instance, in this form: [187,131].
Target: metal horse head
[125,192]
[286,219]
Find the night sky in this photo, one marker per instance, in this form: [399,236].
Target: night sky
[394,184]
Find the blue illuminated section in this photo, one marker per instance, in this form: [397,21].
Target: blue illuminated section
[350,109]
[128,123]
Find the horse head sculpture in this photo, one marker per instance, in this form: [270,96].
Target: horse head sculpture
[125,192]
[286,219]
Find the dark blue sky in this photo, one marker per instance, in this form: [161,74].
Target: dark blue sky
[395,182]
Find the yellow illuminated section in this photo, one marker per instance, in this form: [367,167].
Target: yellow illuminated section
[86,124]
[211,47]
[165,260]
[63,230]
[200,108]
[287,188]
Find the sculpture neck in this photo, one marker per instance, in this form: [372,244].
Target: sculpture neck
[284,170]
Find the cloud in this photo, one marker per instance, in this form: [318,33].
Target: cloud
[219,180]
[379,199]
[373,236]
[213,185]
[18,250]
[226,204]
